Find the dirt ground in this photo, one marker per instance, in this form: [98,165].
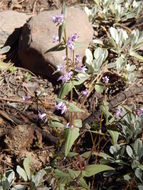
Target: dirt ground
[23,96]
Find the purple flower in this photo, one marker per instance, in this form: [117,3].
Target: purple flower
[105,79]
[70,43]
[78,58]
[58,19]
[140,112]
[66,77]
[85,92]
[61,106]
[118,113]
[74,37]
[55,38]
[42,116]
[60,67]
[26,98]
[80,68]
[68,126]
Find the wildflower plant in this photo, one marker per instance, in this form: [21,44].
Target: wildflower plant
[68,77]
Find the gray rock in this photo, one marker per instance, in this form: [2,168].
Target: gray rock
[37,38]
[9,22]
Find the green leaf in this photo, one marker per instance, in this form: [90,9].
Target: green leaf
[114,135]
[56,124]
[94,169]
[73,108]
[72,135]
[78,123]
[26,165]
[63,177]
[4,66]
[63,8]
[4,50]
[129,151]
[61,30]
[78,175]
[19,187]
[65,89]
[141,166]
[10,175]
[114,34]
[38,178]
[99,87]
[58,47]
[89,56]
[98,41]
[21,172]
[136,55]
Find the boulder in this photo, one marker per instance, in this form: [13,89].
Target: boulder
[10,22]
[37,38]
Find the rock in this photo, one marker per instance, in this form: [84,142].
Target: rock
[37,38]
[11,21]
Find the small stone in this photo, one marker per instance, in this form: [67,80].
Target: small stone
[37,38]
[11,21]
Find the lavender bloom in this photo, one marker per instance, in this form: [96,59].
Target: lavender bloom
[83,69]
[61,106]
[118,113]
[140,112]
[60,67]
[74,37]
[105,79]
[58,19]
[78,58]
[26,98]
[55,38]
[70,43]
[68,126]
[85,92]
[66,77]
[42,116]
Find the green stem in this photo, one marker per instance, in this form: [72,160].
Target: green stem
[67,62]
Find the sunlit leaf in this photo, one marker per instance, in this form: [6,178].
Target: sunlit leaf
[114,135]
[26,164]
[129,151]
[65,89]
[4,50]
[21,173]
[78,123]
[72,135]
[94,169]
[72,107]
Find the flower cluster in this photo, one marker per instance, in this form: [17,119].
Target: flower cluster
[105,79]
[140,111]
[26,98]
[66,77]
[62,107]
[71,41]
[68,126]
[55,38]
[117,112]
[42,117]
[85,92]
[81,68]
[78,59]
[58,19]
